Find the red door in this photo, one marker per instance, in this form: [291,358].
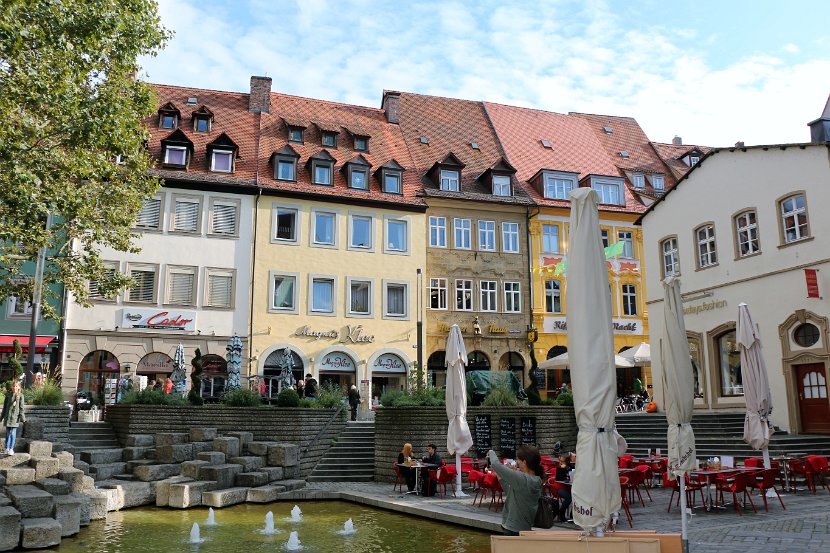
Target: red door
[813,401]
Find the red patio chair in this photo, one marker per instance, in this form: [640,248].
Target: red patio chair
[692,486]
[819,466]
[399,478]
[735,484]
[442,476]
[800,468]
[636,478]
[486,486]
[466,465]
[626,462]
[625,488]
[497,501]
[474,477]
[648,476]
[765,480]
[659,468]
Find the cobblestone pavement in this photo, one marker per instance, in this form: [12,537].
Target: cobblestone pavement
[803,526]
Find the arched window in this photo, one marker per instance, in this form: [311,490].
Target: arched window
[98,376]
[477,361]
[729,364]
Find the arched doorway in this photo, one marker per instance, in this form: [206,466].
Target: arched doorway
[388,373]
[555,379]
[512,361]
[274,364]
[214,376]
[155,365]
[337,367]
[437,369]
[477,361]
[98,377]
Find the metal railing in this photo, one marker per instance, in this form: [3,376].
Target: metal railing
[325,427]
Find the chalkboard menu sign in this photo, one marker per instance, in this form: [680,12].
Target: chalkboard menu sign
[540,379]
[484,442]
[508,437]
[528,431]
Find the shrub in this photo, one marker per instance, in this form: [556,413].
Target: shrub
[501,396]
[533,397]
[48,394]
[152,397]
[329,395]
[307,403]
[288,398]
[243,398]
[565,398]
[428,396]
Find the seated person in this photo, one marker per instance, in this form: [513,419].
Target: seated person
[408,472]
[563,469]
[432,458]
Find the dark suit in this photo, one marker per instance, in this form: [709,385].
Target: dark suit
[428,487]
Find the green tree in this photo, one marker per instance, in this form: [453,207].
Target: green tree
[69,106]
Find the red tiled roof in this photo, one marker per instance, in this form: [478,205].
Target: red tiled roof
[671,154]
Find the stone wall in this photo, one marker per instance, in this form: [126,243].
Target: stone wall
[422,425]
[50,423]
[298,426]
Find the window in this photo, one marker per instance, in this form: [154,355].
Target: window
[438,232]
[510,237]
[392,182]
[175,155]
[221,161]
[361,231]
[629,298]
[487,295]
[550,238]
[360,297]
[322,174]
[671,260]
[329,139]
[286,169]
[463,295]
[707,254]
[462,233]
[186,214]
[657,182]
[557,187]
[609,192]
[396,236]
[553,297]
[639,180]
[501,185]
[19,307]
[358,178]
[487,236]
[814,385]
[794,218]
[512,297]
[145,288]
[201,124]
[729,364]
[325,229]
[110,267]
[449,180]
[286,224]
[627,239]
[322,295]
[604,234]
[219,288]
[223,217]
[181,286]
[149,218]
[437,293]
[746,233]
[395,300]
[284,292]
[806,335]
[168,121]
[361,144]
[693,160]
[295,134]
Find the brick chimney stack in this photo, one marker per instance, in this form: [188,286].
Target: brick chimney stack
[392,106]
[260,98]
[677,141]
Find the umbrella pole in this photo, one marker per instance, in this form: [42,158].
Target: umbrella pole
[683,524]
[458,492]
[767,465]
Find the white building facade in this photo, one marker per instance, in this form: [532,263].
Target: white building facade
[748,224]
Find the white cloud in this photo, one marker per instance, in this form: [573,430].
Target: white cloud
[791,48]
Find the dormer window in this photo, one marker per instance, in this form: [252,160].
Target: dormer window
[657,182]
[555,185]
[169,116]
[609,189]
[321,166]
[693,160]
[357,173]
[177,150]
[390,176]
[497,177]
[501,185]
[285,164]
[295,134]
[329,139]
[639,180]
[175,155]
[361,144]
[221,161]
[449,180]
[202,118]
[168,121]
[446,173]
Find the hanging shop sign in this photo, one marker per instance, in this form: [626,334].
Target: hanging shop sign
[348,334]
[389,364]
[811,275]
[158,319]
[337,361]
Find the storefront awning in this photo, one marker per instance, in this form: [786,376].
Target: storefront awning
[41,342]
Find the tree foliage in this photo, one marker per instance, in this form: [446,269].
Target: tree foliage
[69,104]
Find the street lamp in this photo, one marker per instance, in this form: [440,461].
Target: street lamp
[37,293]
[420,329]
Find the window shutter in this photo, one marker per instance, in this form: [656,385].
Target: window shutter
[181,288]
[145,289]
[93,285]
[150,214]
[224,219]
[187,216]
[220,290]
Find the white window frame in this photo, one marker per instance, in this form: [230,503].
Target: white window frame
[394,251]
[168,283]
[707,250]
[553,293]
[745,229]
[109,266]
[312,233]
[213,202]
[601,186]
[185,199]
[213,168]
[488,292]
[486,229]
[793,214]
[628,241]
[437,231]
[386,284]
[356,314]
[458,225]
[512,297]
[547,238]
[319,312]
[272,290]
[638,180]
[450,180]
[216,272]
[361,215]
[157,198]
[463,288]
[510,237]
[11,305]
[669,252]
[501,186]
[168,149]
[658,182]
[298,211]
[629,299]
[439,285]
[557,186]
[144,267]
[291,162]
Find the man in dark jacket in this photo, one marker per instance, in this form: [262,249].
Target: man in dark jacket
[310,387]
[432,458]
[354,401]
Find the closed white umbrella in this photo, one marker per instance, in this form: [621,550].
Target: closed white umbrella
[757,426]
[562,360]
[678,385]
[596,487]
[459,439]
[638,355]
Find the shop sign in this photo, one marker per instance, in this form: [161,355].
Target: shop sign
[158,319]
[337,362]
[155,362]
[559,325]
[705,306]
[349,333]
[812,283]
[444,327]
[389,363]
[494,329]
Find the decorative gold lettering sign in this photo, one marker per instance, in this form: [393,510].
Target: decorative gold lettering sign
[444,327]
[350,333]
[705,306]
[493,329]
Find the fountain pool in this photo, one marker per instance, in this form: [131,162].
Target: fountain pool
[169,531]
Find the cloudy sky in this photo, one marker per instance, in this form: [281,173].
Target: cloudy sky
[712,71]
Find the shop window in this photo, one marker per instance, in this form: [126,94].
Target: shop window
[729,364]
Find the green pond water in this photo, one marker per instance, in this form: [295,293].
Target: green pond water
[238,530]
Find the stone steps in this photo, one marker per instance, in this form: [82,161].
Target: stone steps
[351,459]
[92,435]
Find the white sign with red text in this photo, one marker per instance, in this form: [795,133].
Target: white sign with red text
[158,319]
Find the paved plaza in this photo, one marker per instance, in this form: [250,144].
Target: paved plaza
[803,526]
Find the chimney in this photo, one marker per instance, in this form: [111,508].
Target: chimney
[739,144]
[820,128]
[260,98]
[392,106]
[677,141]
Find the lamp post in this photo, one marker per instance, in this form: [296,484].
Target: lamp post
[37,294]
[420,330]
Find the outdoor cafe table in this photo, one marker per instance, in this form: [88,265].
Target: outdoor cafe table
[784,460]
[710,475]
[417,467]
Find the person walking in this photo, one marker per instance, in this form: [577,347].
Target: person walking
[310,387]
[523,488]
[12,415]
[354,400]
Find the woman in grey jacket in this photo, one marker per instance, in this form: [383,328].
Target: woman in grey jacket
[523,488]
[13,415]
